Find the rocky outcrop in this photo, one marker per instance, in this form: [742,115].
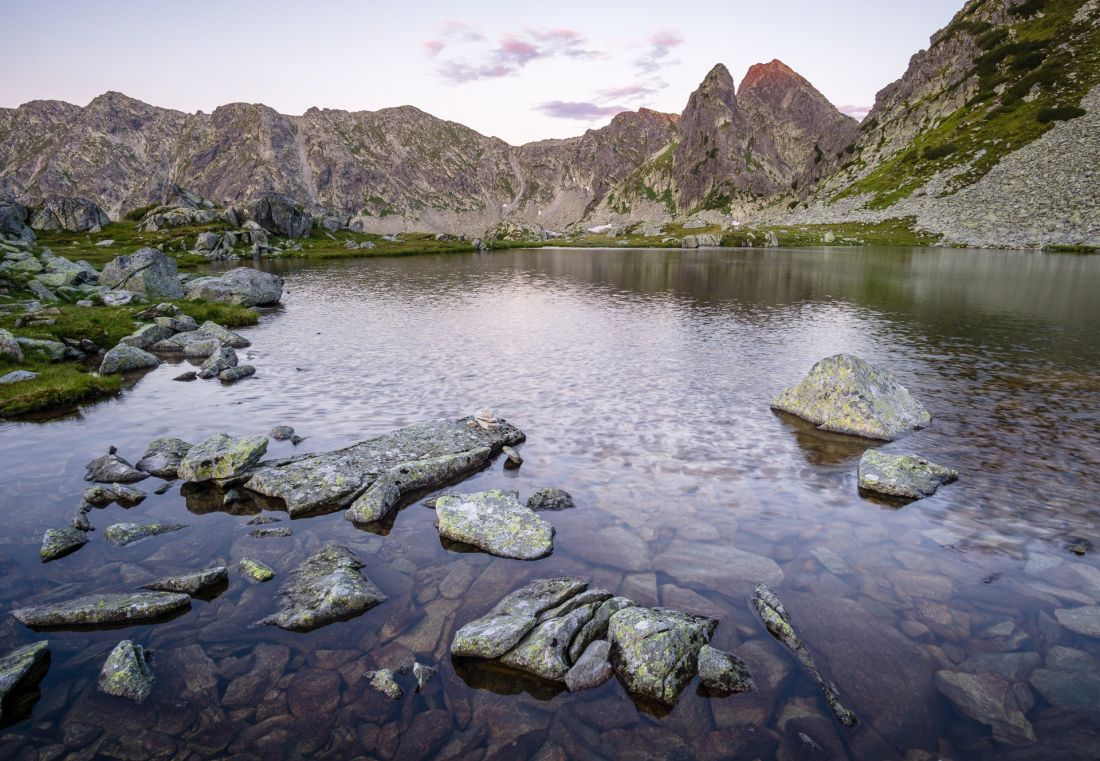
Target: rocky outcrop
[146,271]
[13,222]
[844,394]
[494,521]
[908,476]
[71,213]
[96,609]
[277,214]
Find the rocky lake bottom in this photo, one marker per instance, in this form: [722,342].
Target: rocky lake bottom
[965,625]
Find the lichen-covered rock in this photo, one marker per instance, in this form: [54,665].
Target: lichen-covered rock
[147,271]
[724,672]
[146,336]
[222,359]
[54,351]
[221,456]
[550,499]
[592,668]
[496,522]
[21,668]
[123,358]
[334,479]
[243,285]
[844,394]
[655,650]
[126,673]
[596,627]
[111,469]
[498,631]
[195,583]
[778,622]
[383,680]
[103,609]
[9,347]
[544,651]
[233,374]
[256,570]
[989,699]
[271,533]
[202,348]
[58,542]
[377,501]
[163,456]
[328,587]
[121,534]
[226,336]
[102,495]
[902,475]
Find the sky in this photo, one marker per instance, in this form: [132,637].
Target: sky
[517,70]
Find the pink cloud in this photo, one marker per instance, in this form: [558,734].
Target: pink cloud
[578,110]
[660,46]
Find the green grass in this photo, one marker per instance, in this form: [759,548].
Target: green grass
[890,232]
[127,239]
[58,387]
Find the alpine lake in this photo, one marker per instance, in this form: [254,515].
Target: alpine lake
[642,380]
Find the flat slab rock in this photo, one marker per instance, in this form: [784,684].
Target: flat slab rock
[221,456]
[191,583]
[121,534]
[58,542]
[111,469]
[903,475]
[311,483]
[845,394]
[495,521]
[328,587]
[18,668]
[98,609]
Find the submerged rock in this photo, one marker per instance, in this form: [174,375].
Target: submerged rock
[423,674]
[102,495]
[328,587]
[383,680]
[724,672]
[58,542]
[163,456]
[778,622]
[126,673]
[111,469]
[103,609]
[844,394]
[271,533]
[592,668]
[988,699]
[655,650]
[902,475]
[125,358]
[191,583]
[550,499]
[382,495]
[256,570]
[121,534]
[19,669]
[1084,620]
[221,456]
[496,522]
[334,479]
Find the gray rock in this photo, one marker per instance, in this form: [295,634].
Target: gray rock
[71,213]
[550,499]
[328,587]
[261,520]
[177,323]
[13,222]
[201,348]
[234,374]
[655,650]
[844,394]
[103,609]
[423,674]
[277,214]
[383,680]
[1075,690]
[102,495]
[544,650]
[190,375]
[778,622]
[382,495]
[163,456]
[592,669]
[689,241]
[221,360]
[122,534]
[125,358]
[256,570]
[1084,620]
[496,522]
[80,518]
[20,669]
[17,376]
[111,469]
[126,673]
[724,672]
[221,456]
[271,533]
[58,542]
[334,479]
[113,298]
[146,271]
[243,285]
[146,336]
[281,433]
[513,459]
[192,584]
[988,699]
[902,475]
[596,627]
[9,347]
[207,241]
[227,337]
[54,351]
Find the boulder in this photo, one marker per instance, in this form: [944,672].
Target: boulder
[123,608]
[655,650]
[382,495]
[723,672]
[163,456]
[256,570]
[243,285]
[17,376]
[271,533]
[54,351]
[121,534]
[383,680]
[277,214]
[146,336]
[281,433]
[193,584]
[58,542]
[902,475]
[844,394]
[110,469]
[988,699]
[328,587]
[223,334]
[207,241]
[222,359]
[544,650]
[13,222]
[592,669]
[234,374]
[690,241]
[125,358]
[9,347]
[103,495]
[550,499]
[184,323]
[221,456]
[71,213]
[1084,620]
[21,668]
[334,479]
[495,521]
[146,271]
[126,673]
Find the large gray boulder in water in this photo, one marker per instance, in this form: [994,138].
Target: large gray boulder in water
[902,475]
[328,587]
[655,651]
[71,213]
[90,610]
[495,521]
[844,394]
[146,271]
[243,285]
[19,668]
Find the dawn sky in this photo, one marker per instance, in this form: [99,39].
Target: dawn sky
[516,70]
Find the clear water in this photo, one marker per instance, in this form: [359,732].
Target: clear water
[642,380]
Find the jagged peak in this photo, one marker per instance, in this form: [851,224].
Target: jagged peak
[775,71]
[719,76]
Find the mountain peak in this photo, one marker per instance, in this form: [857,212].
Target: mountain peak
[774,71]
[718,76]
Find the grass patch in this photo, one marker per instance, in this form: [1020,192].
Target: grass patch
[890,232]
[1059,114]
[59,386]
[128,239]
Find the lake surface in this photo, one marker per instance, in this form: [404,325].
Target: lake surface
[642,380]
